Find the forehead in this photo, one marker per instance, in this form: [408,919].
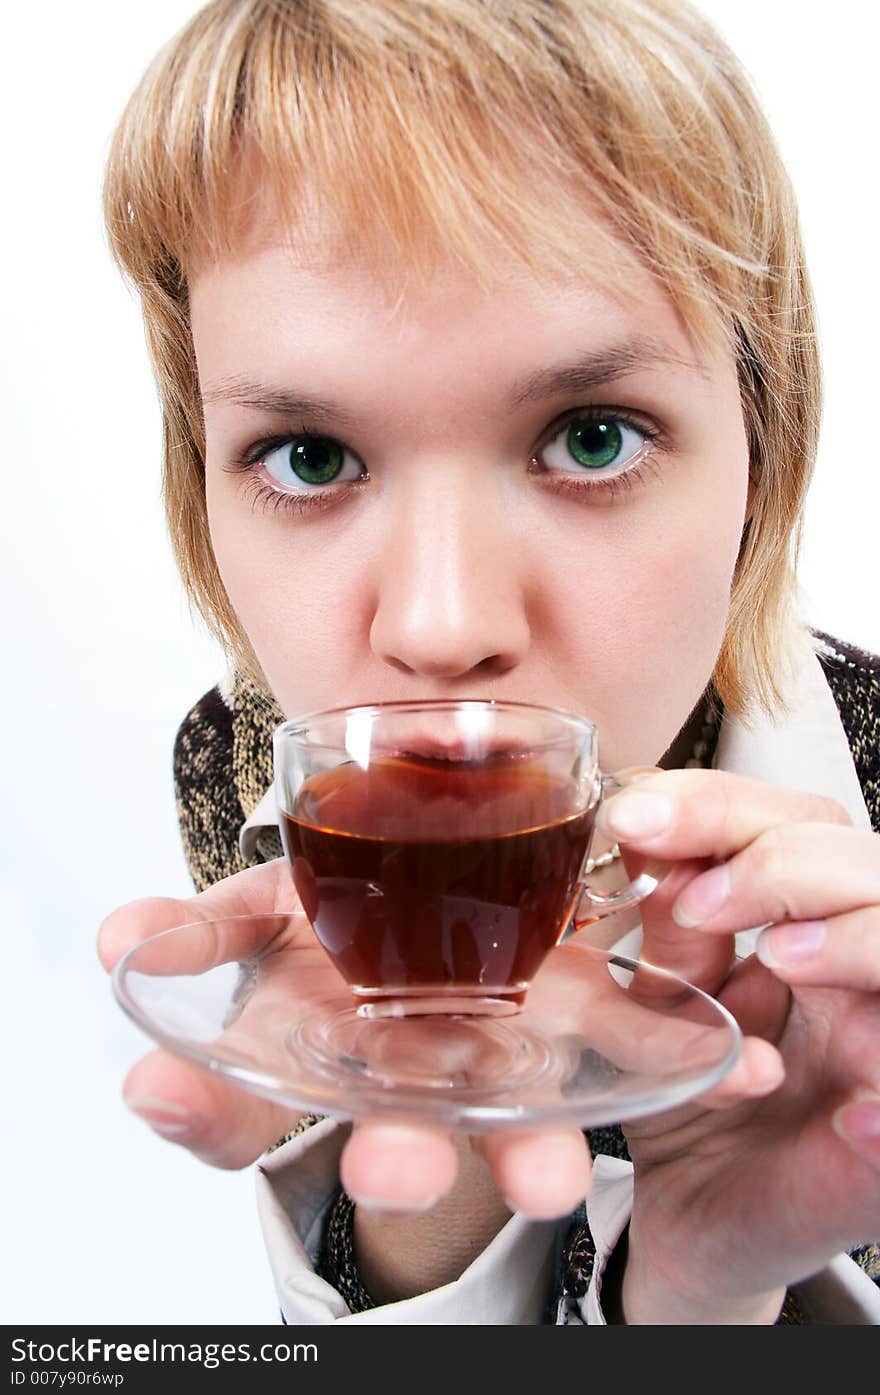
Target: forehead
[283,280]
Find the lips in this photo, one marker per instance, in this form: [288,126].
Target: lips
[443,731]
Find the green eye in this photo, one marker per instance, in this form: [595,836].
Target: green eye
[316,459]
[594,444]
[604,446]
[306,462]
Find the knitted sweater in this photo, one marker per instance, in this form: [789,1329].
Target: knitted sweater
[223,767]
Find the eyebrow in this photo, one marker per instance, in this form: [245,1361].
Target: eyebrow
[584,374]
[275,401]
[600,368]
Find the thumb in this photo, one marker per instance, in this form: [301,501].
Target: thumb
[260,890]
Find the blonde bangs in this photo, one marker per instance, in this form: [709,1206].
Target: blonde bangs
[490,133]
[430,128]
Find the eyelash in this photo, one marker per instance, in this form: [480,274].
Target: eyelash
[606,489]
[579,486]
[273,498]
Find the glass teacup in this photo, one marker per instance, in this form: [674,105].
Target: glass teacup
[439,848]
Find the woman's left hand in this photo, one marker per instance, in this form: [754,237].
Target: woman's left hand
[737,1198]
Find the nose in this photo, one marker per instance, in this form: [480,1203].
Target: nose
[452,593]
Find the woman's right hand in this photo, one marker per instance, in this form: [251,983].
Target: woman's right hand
[401,1168]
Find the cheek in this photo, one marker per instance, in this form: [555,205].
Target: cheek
[656,620]
[289,599]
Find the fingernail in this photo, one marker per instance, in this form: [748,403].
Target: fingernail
[858,1123]
[163,1116]
[704,897]
[393,1206]
[790,944]
[636,814]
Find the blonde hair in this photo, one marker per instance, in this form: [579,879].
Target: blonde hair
[439,126]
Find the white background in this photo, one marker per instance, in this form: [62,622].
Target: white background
[104,1221]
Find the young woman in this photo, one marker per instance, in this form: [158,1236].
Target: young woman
[488,368]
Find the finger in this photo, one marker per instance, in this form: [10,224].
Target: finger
[703,960]
[398,1167]
[797,871]
[217,1122]
[706,813]
[843,952]
[255,891]
[858,1123]
[646,1024]
[759,1071]
[758,1000]
[201,945]
[543,1174]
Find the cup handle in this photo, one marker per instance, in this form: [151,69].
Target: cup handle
[593,905]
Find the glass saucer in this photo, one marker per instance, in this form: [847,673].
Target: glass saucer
[601,1038]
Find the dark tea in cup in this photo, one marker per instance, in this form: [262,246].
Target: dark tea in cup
[438,848]
[438,875]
